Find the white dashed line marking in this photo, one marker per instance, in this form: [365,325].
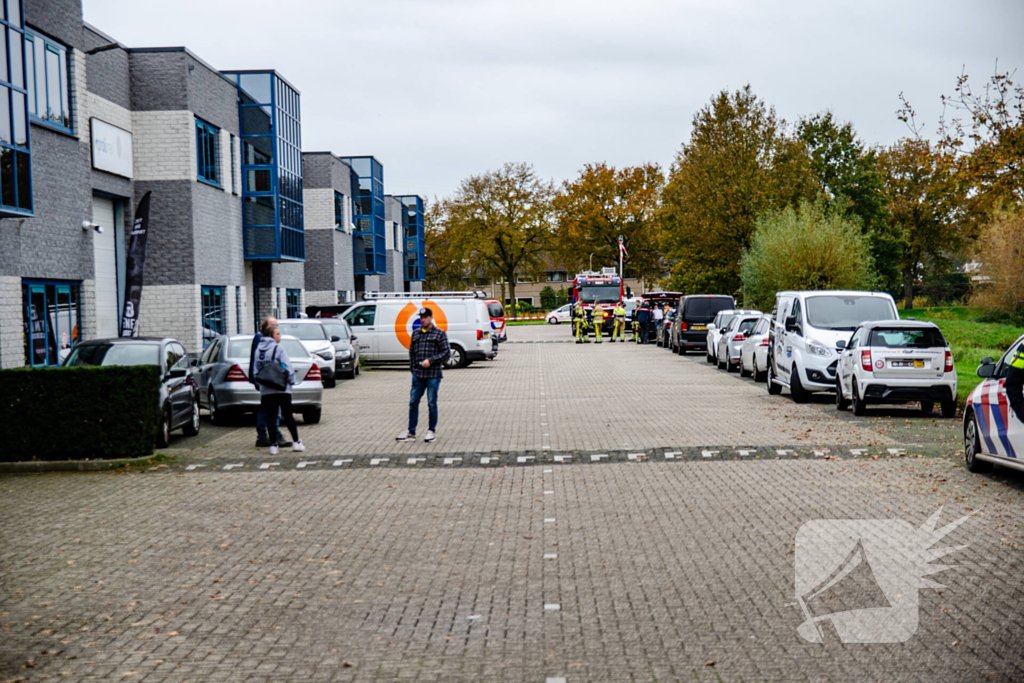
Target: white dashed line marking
[821,454]
[598,457]
[228,467]
[550,556]
[549,493]
[486,460]
[549,520]
[192,467]
[671,455]
[556,679]
[708,454]
[552,607]
[268,465]
[782,451]
[452,461]
[339,463]
[474,617]
[858,451]
[746,451]
[302,465]
[377,461]
[413,461]
[636,456]
[896,451]
[563,458]
[524,458]
[548,471]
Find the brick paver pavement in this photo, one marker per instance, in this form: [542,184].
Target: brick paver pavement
[656,570]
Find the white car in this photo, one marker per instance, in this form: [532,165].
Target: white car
[312,334]
[715,329]
[805,328]
[993,433]
[896,361]
[562,314]
[754,350]
[732,338]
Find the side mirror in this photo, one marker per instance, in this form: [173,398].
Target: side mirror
[841,344]
[193,362]
[711,326]
[176,373]
[791,325]
[335,338]
[353,339]
[986,369]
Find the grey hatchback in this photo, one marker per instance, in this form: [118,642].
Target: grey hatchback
[222,377]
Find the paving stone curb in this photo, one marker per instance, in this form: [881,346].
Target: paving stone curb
[68,465]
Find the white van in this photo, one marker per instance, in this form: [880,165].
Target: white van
[805,327]
[384,322]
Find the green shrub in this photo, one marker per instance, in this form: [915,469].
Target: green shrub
[809,248]
[524,308]
[548,298]
[79,413]
[563,297]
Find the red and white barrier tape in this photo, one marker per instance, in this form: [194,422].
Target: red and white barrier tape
[532,317]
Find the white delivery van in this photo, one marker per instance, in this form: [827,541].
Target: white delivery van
[802,353]
[384,322]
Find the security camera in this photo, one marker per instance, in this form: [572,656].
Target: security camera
[95,226]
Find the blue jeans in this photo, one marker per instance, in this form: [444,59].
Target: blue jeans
[261,423]
[418,387]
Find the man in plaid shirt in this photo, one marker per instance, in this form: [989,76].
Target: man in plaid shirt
[427,353]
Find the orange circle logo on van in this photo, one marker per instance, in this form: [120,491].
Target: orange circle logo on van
[404,329]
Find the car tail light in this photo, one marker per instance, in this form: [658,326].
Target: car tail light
[683,327]
[236,374]
[314,373]
[764,342]
[865,361]
[479,335]
[738,337]
[949,361]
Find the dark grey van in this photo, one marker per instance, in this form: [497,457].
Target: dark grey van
[691,324]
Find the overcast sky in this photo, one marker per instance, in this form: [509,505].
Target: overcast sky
[441,89]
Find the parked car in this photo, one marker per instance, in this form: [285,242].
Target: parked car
[992,434]
[329,311]
[665,327]
[497,313]
[562,314]
[732,338]
[346,349]
[696,311]
[899,361]
[222,377]
[754,350]
[179,404]
[314,337]
[717,326]
[805,327]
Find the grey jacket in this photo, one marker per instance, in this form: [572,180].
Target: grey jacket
[270,351]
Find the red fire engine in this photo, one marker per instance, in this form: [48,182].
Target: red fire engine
[605,288]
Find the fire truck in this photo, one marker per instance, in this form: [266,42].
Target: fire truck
[606,288]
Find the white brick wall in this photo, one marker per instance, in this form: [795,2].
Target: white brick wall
[105,110]
[12,330]
[318,209]
[164,145]
[79,93]
[87,307]
[172,311]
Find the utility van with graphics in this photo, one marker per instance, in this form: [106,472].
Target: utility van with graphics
[384,322]
[805,328]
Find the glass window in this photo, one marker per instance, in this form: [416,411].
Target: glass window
[339,211]
[307,331]
[49,80]
[113,353]
[833,312]
[907,338]
[51,321]
[337,329]
[206,152]
[703,309]
[234,173]
[213,314]
[292,303]
[238,310]
[361,316]
[15,166]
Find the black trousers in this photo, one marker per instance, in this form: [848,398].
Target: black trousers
[644,330]
[269,405]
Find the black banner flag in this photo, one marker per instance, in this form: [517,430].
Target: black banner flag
[136,264]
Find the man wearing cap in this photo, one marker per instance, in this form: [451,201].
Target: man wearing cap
[428,351]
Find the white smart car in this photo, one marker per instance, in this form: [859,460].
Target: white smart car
[562,314]
[732,338]
[896,361]
[754,350]
[715,329]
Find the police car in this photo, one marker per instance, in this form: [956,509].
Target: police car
[992,433]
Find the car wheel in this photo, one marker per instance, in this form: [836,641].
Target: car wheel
[330,383]
[718,362]
[842,403]
[949,409]
[796,387]
[191,428]
[743,368]
[357,370]
[758,374]
[927,406]
[552,321]
[216,414]
[856,401]
[312,416]
[769,376]
[972,446]
[351,374]
[163,435]
[457,358]
[682,350]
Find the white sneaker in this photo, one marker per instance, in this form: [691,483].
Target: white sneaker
[274,449]
[430,436]
[297,446]
[406,436]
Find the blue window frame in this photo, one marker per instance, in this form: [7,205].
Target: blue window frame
[415,244]
[52,320]
[48,77]
[238,310]
[277,300]
[213,314]
[292,303]
[369,239]
[339,211]
[206,152]
[15,156]
[234,173]
[272,211]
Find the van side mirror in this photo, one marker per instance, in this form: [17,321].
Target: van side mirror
[791,324]
[841,344]
[987,368]
[335,338]
[353,339]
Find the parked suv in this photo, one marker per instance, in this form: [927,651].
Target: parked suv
[896,362]
[695,312]
[806,326]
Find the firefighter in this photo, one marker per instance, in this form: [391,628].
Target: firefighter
[643,318]
[579,317]
[597,316]
[1015,382]
[619,332]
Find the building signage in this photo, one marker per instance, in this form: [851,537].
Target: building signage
[111,148]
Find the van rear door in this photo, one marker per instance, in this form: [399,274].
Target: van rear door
[362,318]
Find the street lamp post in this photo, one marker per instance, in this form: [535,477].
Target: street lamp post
[591,263]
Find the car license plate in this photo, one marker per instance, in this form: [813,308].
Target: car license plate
[918,363]
[908,364]
[699,327]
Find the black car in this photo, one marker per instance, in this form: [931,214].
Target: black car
[179,404]
[694,313]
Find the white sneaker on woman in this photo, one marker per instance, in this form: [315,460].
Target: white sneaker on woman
[297,446]
[406,436]
[274,449]
[430,436]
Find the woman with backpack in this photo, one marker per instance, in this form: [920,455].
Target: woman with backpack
[275,375]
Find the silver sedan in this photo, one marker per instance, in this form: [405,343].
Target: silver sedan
[222,377]
[732,338]
[754,351]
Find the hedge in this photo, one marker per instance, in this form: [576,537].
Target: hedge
[79,413]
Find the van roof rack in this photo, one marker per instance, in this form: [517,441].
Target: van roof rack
[477,294]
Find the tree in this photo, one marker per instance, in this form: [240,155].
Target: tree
[848,176]
[548,298]
[500,222]
[445,271]
[925,207]
[1001,250]
[816,247]
[603,203]
[738,164]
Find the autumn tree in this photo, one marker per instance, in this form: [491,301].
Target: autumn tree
[499,223]
[738,164]
[848,176]
[445,270]
[603,203]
